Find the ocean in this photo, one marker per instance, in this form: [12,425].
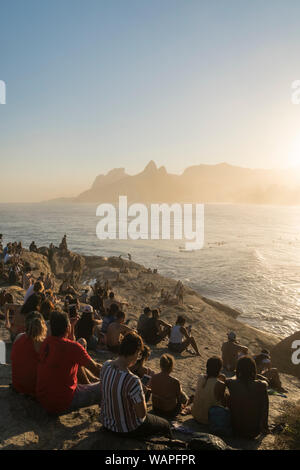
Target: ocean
[250,259]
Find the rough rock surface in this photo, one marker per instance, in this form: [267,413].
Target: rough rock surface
[24,425]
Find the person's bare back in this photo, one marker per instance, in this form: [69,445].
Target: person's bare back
[113,334]
[165,391]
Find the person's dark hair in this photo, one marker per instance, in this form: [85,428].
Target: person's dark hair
[155,314]
[180,320]
[246,369]
[166,362]
[33,303]
[147,310]
[213,368]
[130,344]
[113,309]
[59,323]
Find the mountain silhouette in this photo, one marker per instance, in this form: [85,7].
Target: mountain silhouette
[221,183]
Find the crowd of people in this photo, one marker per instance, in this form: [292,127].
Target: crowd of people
[52,334]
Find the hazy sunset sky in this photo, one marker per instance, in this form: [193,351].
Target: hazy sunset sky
[98,84]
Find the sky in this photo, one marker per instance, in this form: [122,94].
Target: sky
[99,84]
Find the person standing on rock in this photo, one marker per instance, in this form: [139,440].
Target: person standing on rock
[33,248]
[25,354]
[63,245]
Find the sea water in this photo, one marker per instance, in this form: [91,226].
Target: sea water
[250,259]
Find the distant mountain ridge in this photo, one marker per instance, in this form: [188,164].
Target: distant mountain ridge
[221,183]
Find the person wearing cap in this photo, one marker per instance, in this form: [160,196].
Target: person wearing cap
[86,327]
[232,351]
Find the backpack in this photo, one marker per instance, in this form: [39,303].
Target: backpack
[219,421]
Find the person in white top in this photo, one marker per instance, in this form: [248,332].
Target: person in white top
[37,287]
[180,337]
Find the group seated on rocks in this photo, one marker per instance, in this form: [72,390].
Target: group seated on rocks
[52,334]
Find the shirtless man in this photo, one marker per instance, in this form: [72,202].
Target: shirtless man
[231,351]
[115,332]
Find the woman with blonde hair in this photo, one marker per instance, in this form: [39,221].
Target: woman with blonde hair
[25,354]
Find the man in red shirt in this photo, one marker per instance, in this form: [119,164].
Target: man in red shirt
[57,387]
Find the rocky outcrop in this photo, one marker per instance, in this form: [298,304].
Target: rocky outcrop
[38,262]
[204,441]
[65,264]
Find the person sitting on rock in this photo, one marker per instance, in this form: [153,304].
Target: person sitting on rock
[111,300]
[248,400]
[210,390]
[142,321]
[266,371]
[139,367]
[25,354]
[36,288]
[66,288]
[108,318]
[57,388]
[231,351]
[87,327]
[115,332]
[167,394]
[33,248]
[180,337]
[15,314]
[156,329]
[49,282]
[27,278]
[123,409]
[143,372]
